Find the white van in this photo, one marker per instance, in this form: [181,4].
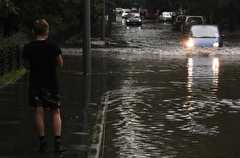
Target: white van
[125,13]
[165,16]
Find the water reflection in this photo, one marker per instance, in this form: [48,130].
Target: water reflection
[202,77]
[198,69]
[165,104]
[137,27]
[215,67]
[190,74]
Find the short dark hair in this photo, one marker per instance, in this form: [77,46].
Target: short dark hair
[40,27]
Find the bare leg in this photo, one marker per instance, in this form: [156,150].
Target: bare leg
[57,127]
[39,120]
[57,122]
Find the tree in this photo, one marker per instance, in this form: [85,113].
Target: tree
[7,11]
[59,13]
[215,11]
[56,12]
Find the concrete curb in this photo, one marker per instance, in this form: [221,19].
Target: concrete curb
[97,149]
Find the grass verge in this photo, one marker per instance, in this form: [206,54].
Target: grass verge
[11,77]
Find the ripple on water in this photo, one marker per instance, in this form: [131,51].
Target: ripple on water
[164,51]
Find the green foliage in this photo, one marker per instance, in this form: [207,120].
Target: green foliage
[11,77]
[7,7]
[96,7]
[54,11]
[59,13]
[17,39]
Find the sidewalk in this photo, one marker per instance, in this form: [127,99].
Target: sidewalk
[18,135]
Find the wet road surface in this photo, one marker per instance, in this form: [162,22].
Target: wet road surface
[171,101]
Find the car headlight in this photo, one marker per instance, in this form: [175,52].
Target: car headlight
[139,20]
[189,44]
[215,44]
[127,20]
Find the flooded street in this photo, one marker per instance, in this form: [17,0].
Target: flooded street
[161,100]
[174,107]
[166,101]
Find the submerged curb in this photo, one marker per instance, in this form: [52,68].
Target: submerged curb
[97,148]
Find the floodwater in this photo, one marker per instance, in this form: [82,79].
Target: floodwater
[174,107]
[161,99]
[166,101]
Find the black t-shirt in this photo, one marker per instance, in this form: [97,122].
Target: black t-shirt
[42,58]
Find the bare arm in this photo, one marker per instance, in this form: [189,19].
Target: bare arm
[59,60]
[27,64]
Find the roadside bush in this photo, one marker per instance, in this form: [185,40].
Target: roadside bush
[19,39]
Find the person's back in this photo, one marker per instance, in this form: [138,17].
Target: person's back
[42,60]
[41,57]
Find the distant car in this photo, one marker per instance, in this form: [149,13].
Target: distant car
[125,13]
[134,10]
[119,10]
[165,17]
[133,19]
[204,35]
[189,21]
[177,22]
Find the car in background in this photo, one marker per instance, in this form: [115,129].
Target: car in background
[177,22]
[125,13]
[119,10]
[189,21]
[204,35]
[133,19]
[134,10]
[165,17]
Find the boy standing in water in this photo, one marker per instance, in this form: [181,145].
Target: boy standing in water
[41,57]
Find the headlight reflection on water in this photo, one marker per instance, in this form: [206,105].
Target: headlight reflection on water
[193,73]
[215,68]
[190,74]
[205,73]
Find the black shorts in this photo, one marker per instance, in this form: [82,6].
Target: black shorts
[40,97]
